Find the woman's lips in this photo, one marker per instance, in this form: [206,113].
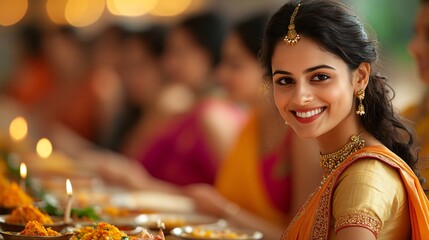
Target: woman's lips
[308,115]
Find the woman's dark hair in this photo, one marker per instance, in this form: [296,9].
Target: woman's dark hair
[337,30]
[251,32]
[208,31]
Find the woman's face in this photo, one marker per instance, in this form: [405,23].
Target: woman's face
[140,71]
[185,61]
[313,88]
[239,72]
[419,45]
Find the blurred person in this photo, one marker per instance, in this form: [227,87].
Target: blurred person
[321,64]
[200,128]
[88,92]
[31,81]
[142,79]
[419,113]
[261,183]
[105,79]
[72,103]
[189,130]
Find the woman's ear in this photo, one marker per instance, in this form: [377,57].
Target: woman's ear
[361,76]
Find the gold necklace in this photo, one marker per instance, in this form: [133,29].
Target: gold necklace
[331,161]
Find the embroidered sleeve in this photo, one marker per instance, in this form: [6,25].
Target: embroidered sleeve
[359,219]
[367,194]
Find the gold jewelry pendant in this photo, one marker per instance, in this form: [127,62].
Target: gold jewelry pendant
[292,36]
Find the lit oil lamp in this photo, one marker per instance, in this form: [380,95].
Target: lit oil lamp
[69,191]
[23,174]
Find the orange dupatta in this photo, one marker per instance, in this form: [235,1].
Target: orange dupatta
[313,220]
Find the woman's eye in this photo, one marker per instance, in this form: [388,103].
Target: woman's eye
[320,77]
[284,81]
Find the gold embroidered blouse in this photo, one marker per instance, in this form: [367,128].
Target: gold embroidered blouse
[370,194]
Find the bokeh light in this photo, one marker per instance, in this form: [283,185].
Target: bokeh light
[44,148]
[81,13]
[11,11]
[112,8]
[56,11]
[18,129]
[131,8]
[166,8]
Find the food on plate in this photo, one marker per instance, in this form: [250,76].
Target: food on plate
[80,232]
[103,230]
[201,232]
[100,231]
[36,229]
[24,214]
[12,196]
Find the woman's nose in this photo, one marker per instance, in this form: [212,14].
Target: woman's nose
[303,94]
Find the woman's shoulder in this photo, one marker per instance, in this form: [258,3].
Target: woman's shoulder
[371,167]
[374,169]
[382,154]
[374,161]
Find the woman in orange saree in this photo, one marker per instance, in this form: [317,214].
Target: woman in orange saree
[325,87]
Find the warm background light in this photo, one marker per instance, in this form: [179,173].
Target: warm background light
[110,4]
[131,8]
[44,148]
[56,11]
[81,13]
[11,11]
[166,8]
[18,129]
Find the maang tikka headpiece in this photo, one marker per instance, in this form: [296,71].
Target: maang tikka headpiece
[292,37]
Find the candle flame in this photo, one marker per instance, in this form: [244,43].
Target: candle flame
[69,188]
[23,170]
[44,148]
[18,129]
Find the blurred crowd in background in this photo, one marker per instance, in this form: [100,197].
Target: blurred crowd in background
[181,93]
[393,27]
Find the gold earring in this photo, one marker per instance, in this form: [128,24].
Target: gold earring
[286,123]
[361,109]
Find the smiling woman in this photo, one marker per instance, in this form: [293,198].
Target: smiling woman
[319,85]
[325,87]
